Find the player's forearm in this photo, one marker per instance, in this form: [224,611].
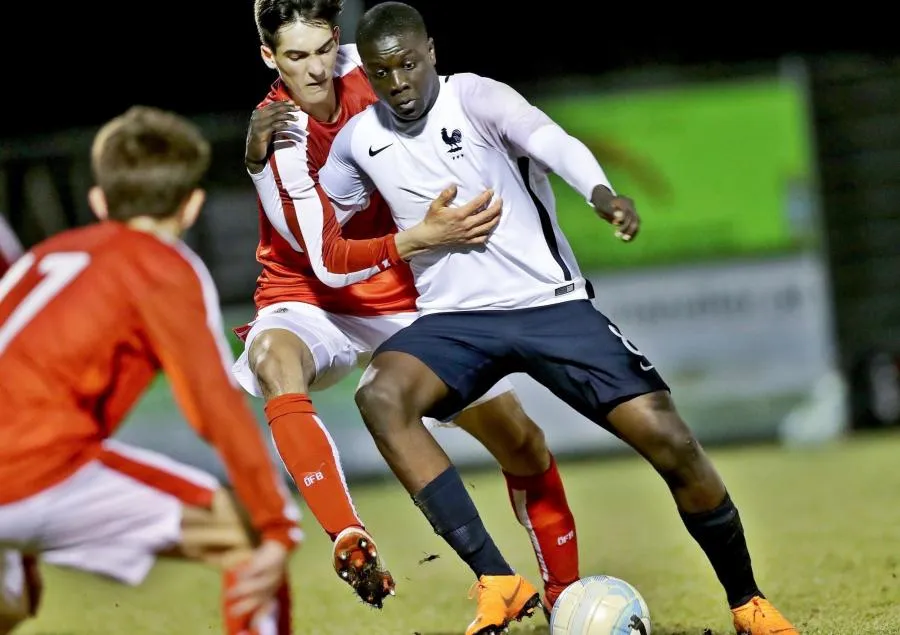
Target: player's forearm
[569,158]
[413,242]
[349,256]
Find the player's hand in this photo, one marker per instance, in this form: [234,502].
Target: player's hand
[467,224]
[258,580]
[619,211]
[266,121]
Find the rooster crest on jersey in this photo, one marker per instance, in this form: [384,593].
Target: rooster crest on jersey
[454,140]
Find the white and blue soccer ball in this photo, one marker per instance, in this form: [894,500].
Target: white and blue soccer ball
[600,605]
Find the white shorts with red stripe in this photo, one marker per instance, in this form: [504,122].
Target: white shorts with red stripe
[338,343]
[112,517]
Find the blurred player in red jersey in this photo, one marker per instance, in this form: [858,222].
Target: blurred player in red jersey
[10,248]
[308,335]
[87,319]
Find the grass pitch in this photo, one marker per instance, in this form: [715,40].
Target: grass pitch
[823,526]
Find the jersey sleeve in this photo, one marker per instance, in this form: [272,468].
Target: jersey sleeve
[298,209]
[183,323]
[506,117]
[342,179]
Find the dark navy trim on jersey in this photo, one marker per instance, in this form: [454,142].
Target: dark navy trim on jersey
[544,215]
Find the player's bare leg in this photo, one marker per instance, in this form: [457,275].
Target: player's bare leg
[284,367]
[653,427]
[535,488]
[395,392]
[221,536]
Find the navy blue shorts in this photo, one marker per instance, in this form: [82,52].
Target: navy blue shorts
[570,347]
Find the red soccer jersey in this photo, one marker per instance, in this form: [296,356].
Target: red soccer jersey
[87,319]
[292,209]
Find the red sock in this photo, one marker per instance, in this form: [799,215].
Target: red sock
[540,505]
[311,458]
[278,621]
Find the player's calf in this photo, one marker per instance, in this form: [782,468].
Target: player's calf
[651,425]
[534,485]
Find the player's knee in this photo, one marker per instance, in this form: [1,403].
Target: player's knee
[674,450]
[281,362]
[382,406]
[527,446]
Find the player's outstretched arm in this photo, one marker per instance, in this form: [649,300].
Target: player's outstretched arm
[507,119]
[183,324]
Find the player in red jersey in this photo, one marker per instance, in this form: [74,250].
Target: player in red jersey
[87,319]
[10,248]
[307,335]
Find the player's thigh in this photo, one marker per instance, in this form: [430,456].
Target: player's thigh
[105,522]
[332,354]
[585,359]
[215,528]
[369,332]
[502,426]
[459,348]
[116,514]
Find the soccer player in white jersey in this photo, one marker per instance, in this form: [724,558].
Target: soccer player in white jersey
[310,333]
[517,304]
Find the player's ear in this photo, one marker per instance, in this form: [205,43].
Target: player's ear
[268,56]
[97,202]
[336,34]
[190,210]
[431,56]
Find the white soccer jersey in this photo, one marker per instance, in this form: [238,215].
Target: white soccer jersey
[480,134]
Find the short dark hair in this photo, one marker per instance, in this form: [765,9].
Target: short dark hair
[147,161]
[389,18]
[273,15]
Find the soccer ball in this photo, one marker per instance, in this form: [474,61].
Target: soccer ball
[600,605]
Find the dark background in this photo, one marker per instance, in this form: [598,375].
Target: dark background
[78,64]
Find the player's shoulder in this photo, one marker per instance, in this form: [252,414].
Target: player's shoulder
[470,83]
[365,125]
[348,60]
[157,264]
[136,259]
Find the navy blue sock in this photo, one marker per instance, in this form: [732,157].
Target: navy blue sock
[720,534]
[451,512]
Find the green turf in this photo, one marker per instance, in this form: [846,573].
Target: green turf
[822,526]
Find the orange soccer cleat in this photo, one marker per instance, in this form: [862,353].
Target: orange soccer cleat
[759,617]
[502,599]
[356,562]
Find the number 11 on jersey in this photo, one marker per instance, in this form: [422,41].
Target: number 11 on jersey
[58,270]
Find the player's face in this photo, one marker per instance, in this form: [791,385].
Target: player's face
[305,59]
[402,73]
